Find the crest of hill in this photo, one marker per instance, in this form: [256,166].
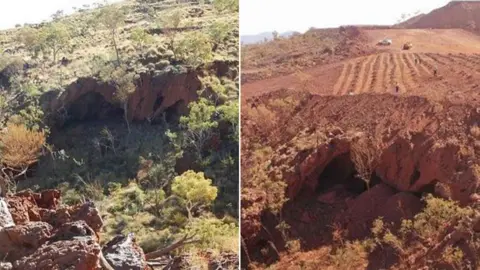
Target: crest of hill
[456,14]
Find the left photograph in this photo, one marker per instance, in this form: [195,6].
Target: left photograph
[119,134]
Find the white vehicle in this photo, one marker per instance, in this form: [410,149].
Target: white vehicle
[385,42]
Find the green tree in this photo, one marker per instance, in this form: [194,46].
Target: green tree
[229,112]
[112,18]
[195,49]
[226,5]
[123,82]
[170,23]
[199,124]
[218,32]
[55,37]
[31,39]
[140,37]
[195,190]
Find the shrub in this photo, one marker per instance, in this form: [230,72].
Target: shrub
[195,49]
[129,200]
[140,37]
[21,146]
[214,233]
[365,155]
[195,190]
[226,5]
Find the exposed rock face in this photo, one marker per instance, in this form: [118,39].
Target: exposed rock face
[6,219]
[88,98]
[44,235]
[416,162]
[124,254]
[81,253]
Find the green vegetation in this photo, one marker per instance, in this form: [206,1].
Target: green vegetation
[443,234]
[172,174]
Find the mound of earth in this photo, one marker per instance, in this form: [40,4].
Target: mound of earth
[422,146]
[456,14]
[316,46]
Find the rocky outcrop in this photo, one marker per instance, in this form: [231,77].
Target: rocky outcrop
[418,163]
[42,234]
[123,253]
[88,98]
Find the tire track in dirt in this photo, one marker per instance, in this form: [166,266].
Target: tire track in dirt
[341,81]
[467,62]
[399,73]
[452,67]
[365,74]
[430,62]
[392,68]
[436,57]
[410,61]
[383,73]
[423,65]
[456,66]
[352,79]
[407,71]
[374,79]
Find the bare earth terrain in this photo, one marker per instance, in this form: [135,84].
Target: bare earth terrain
[341,171]
[455,53]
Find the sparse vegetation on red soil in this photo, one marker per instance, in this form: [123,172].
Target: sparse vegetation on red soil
[337,165]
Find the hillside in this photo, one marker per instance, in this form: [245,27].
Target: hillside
[287,55]
[119,136]
[456,14]
[367,159]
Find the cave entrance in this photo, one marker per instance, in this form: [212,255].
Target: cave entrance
[341,172]
[93,106]
[173,113]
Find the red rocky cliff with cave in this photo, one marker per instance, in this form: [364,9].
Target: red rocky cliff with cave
[422,147]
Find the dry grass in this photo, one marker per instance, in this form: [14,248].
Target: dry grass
[20,146]
[365,155]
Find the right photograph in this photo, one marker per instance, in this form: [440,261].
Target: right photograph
[360,135]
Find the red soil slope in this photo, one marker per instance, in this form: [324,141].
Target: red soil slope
[457,14]
[424,146]
[455,54]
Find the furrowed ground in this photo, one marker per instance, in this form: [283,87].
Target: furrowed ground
[337,165]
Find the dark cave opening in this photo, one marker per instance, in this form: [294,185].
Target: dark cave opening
[173,113]
[341,172]
[92,106]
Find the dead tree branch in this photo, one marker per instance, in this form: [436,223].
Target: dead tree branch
[184,241]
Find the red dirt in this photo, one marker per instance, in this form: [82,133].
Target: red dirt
[316,46]
[456,14]
[298,129]
[455,53]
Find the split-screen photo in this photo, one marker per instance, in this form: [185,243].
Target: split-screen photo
[239,134]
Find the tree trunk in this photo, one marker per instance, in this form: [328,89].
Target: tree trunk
[115,46]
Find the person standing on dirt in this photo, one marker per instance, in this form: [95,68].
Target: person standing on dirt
[435,71]
[397,87]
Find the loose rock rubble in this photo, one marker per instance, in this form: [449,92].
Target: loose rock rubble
[37,233]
